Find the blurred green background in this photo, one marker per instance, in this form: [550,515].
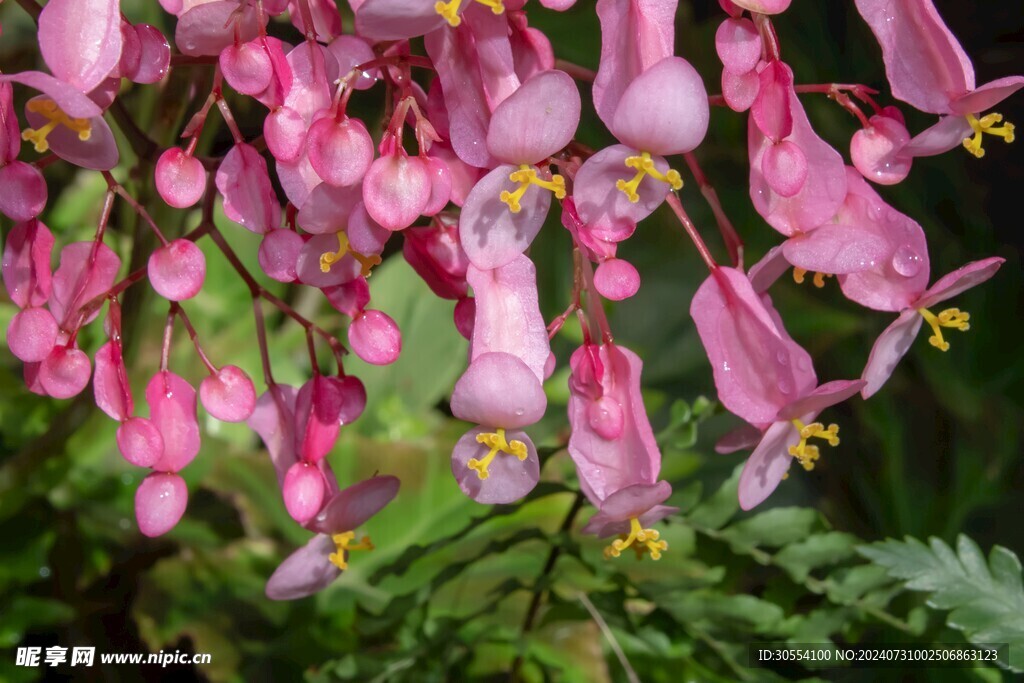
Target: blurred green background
[457,591]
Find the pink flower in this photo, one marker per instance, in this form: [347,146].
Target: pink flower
[317,564]
[764,377]
[617,459]
[928,69]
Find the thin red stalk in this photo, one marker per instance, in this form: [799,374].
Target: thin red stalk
[123,194]
[577,286]
[176,307]
[229,119]
[691,230]
[733,242]
[165,353]
[580,73]
[261,338]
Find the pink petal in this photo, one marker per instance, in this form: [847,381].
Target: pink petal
[160,501]
[274,420]
[987,96]
[110,383]
[10,130]
[306,571]
[509,478]
[601,526]
[784,168]
[279,253]
[767,465]
[493,52]
[177,270]
[98,153]
[924,62]
[744,437]
[155,57]
[86,270]
[878,151]
[326,19]
[31,334]
[601,204]
[228,395]
[180,178]
[773,107]
[888,349]
[536,121]
[634,501]
[249,198]
[616,279]
[327,209]
[738,45]
[508,316]
[375,338]
[303,491]
[69,99]
[64,372]
[340,152]
[172,409]
[763,6]
[740,90]
[396,19]
[297,179]
[836,249]
[317,410]
[350,52]
[81,40]
[352,507]
[308,268]
[396,189]
[491,234]
[825,396]
[949,133]
[350,298]
[206,29]
[771,267]
[140,441]
[26,264]
[499,390]
[246,67]
[436,255]
[634,37]
[960,280]
[25,192]
[284,129]
[664,110]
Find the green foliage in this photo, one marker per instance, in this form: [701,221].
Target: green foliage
[985,599]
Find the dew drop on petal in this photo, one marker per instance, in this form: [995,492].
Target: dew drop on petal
[906,261]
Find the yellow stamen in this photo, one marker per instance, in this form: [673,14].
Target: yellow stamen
[450,10]
[56,117]
[986,124]
[805,454]
[329,258]
[526,176]
[496,442]
[951,317]
[644,166]
[819,278]
[344,544]
[640,540]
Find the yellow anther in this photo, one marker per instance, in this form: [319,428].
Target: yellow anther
[526,176]
[951,317]
[808,454]
[344,544]
[329,258]
[819,278]
[450,10]
[644,166]
[55,117]
[640,540]
[496,442]
[986,124]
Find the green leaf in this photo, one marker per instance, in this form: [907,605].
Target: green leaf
[773,529]
[717,510]
[816,551]
[985,599]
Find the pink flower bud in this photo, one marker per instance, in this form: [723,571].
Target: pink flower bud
[65,372]
[278,253]
[875,150]
[154,56]
[303,491]
[180,178]
[160,501]
[229,395]
[177,270]
[739,45]
[246,67]
[353,399]
[375,338]
[465,314]
[340,151]
[140,442]
[605,417]
[32,334]
[396,190]
[24,194]
[616,279]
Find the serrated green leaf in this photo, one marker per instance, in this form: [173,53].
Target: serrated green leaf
[820,550]
[985,600]
[714,512]
[771,529]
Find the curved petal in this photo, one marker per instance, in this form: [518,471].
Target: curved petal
[987,96]
[960,280]
[767,465]
[742,438]
[836,249]
[305,572]
[949,133]
[81,40]
[351,507]
[491,234]
[274,420]
[828,394]
[888,349]
[71,101]
[770,268]
[508,480]
[536,121]
[98,153]
[601,205]
[501,390]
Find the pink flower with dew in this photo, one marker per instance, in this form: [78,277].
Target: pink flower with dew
[317,564]
[663,111]
[496,463]
[797,180]
[765,378]
[617,458]
[505,210]
[249,199]
[928,69]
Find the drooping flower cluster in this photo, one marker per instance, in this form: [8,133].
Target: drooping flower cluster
[474,147]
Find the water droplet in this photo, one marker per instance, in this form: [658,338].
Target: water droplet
[782,357]
[44,572]
[906,261]
[804,363]
[520,412]
[785,386]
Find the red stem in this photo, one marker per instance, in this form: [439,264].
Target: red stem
[733,242]
[691,230]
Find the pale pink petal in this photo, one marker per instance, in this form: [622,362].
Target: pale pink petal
[536,121]
[499,390]
[888,349]
[279,253]
[24,196]
[64,372]
[396,189]
[274,420]
[509,478]
[340,151]
[31,334]
[352,507]
[303,491]
[350,52]
[738,45]
[26,264]
[397,19]
[228,395]
[740,90]
[155,56]
[98,153]
[306,571]
[160,501]
[70,100]
[960,280]
[110,383]
[879,151]
[767,465]
[81,40]
[172,409]
[987,96]
[206,29]
[949,133]
[837,249]
[177,270]
[375,338]
[86,270]
[140,442]
[327,209]
[744,437]
[249,198]
[825,396]
[601,205]
[491,234]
